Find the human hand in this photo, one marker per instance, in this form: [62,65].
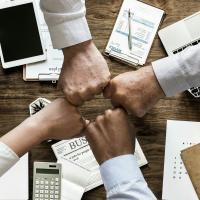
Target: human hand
[84,74]
[58,120]
[137,91]
[111,135]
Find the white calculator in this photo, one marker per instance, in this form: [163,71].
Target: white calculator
[47,181]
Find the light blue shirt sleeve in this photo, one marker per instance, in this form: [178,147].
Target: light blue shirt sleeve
[123,179]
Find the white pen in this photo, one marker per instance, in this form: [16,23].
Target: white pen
[130,31]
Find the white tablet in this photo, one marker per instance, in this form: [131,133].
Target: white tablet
[20,37]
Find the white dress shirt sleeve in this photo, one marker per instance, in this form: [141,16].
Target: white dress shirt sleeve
[179,72]
[123,179]
[7,158]
[66,21]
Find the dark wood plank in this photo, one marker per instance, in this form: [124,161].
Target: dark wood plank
[16,94]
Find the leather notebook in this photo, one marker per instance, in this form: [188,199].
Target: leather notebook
[191,159]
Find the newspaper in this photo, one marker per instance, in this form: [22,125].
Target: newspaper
[78,151]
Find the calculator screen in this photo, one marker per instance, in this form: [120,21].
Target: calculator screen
[47,171]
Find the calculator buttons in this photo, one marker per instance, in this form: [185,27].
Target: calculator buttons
[51,187]
[47,188]
[52,182]
[37,187]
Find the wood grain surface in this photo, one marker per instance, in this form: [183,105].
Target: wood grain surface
[16,94]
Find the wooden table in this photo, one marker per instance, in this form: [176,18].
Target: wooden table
[16,94]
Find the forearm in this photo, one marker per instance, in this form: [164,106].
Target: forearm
[66,21]
[24,137]
[179,72]
[123,179]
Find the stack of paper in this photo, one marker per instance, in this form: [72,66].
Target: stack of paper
[14,183]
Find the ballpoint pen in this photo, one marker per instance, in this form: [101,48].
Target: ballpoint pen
[130,31]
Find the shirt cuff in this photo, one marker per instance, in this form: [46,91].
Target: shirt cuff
[119,170]
[70,33]
[7,157]
[170,76]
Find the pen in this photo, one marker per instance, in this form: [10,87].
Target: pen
[129,30]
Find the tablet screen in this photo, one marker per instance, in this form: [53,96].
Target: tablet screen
[19,34]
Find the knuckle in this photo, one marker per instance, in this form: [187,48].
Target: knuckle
[114,82]
[90,128]
[108,113]
[119,94]
[99,119]
[137,109]
[119,111]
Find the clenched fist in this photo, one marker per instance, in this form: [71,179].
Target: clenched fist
[136,91]
[84,74]
[59,120]
[111,135]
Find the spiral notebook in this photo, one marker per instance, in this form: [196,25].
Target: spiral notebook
[145,23]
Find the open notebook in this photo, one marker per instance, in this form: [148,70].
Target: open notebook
[14,183]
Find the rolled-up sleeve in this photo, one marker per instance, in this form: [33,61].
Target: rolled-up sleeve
[179,72]
[66,21]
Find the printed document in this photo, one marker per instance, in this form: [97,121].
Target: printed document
[176,181]
[78,151]
[145,22]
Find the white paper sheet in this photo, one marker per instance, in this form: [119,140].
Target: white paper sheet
[145,22]
[78,151]
[176,182]
[53,64]
[74,180]
[14,183]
